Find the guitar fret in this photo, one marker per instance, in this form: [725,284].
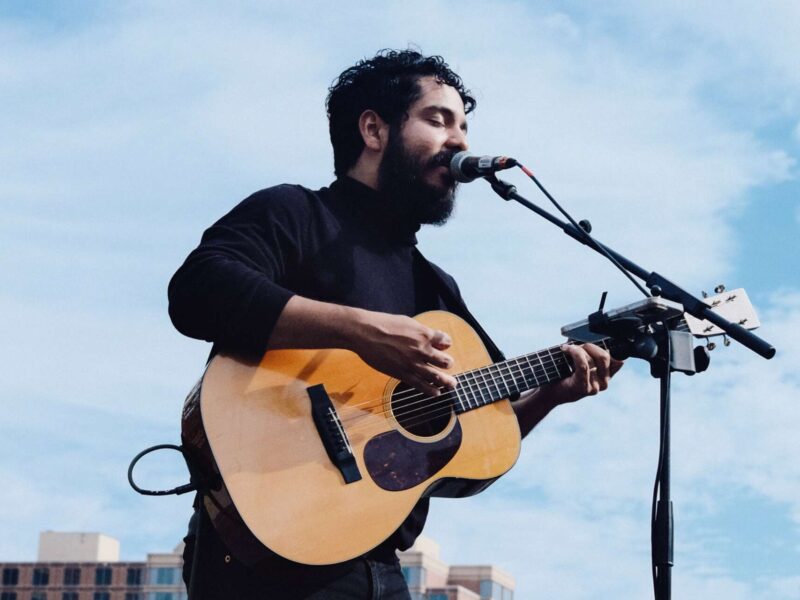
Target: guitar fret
[503,378]
[523,382]
[493,381]
[545,372]
[483,386]
[474,389]
[558,366]
[530,375]
[467,388]
[458,396]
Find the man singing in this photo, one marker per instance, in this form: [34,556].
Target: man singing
[293,268]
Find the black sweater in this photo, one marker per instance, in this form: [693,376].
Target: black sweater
[340,244]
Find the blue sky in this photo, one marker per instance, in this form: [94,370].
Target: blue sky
[127,128]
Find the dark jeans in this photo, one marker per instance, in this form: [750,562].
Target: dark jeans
[222,577]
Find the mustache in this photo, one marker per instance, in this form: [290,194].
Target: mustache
[441,159]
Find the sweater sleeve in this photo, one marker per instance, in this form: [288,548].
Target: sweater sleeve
[229,290]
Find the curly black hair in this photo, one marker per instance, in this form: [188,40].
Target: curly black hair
[388,83]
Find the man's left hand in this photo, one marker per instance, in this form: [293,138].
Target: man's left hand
[592,368]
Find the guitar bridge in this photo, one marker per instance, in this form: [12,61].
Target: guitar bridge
[332,434]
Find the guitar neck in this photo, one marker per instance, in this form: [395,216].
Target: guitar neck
[501,380]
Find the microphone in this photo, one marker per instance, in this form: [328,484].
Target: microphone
[466,167]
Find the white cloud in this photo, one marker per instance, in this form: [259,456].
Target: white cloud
[128,134]
[577,503]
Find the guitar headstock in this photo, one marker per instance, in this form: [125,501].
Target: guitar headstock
[733,305]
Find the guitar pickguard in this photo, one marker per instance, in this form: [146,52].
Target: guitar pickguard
[396,463]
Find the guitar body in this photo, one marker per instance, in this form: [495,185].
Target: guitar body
[252,425]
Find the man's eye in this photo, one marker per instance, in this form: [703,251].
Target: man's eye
[436,122]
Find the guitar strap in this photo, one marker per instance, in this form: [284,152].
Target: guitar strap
[455,304]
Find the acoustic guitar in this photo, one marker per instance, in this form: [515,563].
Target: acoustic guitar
[320,458]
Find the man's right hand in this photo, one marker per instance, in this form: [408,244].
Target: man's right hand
[406,349]
[396,345]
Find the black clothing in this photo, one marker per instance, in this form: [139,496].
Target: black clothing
[221,577]
[337,244]
[340,244]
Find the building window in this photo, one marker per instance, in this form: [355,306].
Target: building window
[72,576]
[102,576]
[39,596]
[491,590]
[10,576]
[69,596]
[41,576]
[166,596]
[133,596]
[508,594]
[414,576]
[101,596]
[8,595]
[134,576]
[438,597]
[164,576]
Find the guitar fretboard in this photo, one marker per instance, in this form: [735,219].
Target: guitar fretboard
[483,386]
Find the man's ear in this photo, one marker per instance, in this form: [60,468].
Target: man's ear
[374,130]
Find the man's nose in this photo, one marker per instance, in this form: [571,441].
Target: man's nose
[457,139]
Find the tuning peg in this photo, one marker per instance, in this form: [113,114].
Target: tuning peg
[704,294]
[710,345]
[719,289]
[725,341]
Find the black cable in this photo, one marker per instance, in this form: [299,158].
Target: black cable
[181,489]
[196,483]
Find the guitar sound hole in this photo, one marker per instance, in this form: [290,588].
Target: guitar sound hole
[419,414]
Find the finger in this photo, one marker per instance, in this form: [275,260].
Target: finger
[602,362]
[582,365]
[440,359]
[440,340]
[422,386]
[436,377]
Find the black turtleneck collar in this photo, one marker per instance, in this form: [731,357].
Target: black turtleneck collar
[377,213]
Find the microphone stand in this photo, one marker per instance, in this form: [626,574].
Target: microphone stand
[665,350]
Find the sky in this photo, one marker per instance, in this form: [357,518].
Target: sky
[127,128]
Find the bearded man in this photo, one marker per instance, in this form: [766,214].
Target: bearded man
[293,268]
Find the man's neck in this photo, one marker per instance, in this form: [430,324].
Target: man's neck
[365,173]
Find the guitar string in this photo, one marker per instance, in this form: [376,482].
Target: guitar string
[412,392]
[465,385]
[445,399]
[429,403]
[548,373]
[440,411]
[475,385]
[432,410]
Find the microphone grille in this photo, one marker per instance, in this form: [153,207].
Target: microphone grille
[455,166]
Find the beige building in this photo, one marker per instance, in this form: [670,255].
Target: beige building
[431,579]
[86,566]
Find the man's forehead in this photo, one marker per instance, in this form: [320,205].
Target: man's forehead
[436,93]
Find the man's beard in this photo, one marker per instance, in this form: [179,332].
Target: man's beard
[401,181]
